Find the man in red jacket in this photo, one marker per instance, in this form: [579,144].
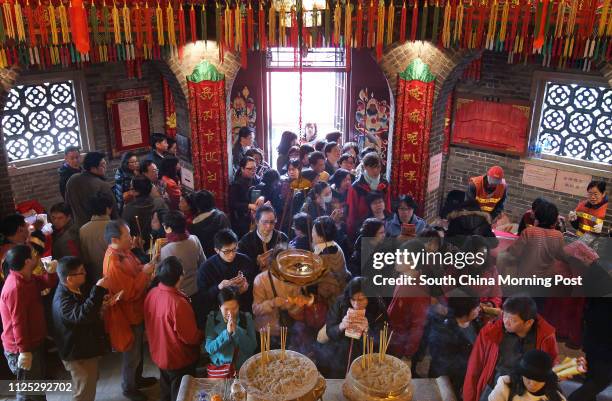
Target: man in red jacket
[23,317]
[370,180]
[502,343]
[173,335]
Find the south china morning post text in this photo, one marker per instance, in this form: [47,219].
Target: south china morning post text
[390,265]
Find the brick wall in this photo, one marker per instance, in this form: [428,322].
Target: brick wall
[502,80]
[42,184]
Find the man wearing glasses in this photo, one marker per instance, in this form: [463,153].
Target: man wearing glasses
[259,243]
[227,268]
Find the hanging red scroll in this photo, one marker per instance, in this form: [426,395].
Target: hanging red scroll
[412,130]
[209,131]
[169,110]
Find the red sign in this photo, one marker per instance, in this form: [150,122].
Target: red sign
[209,138]
[500,127]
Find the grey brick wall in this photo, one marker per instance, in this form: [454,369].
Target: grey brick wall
[502,80]
[42,185]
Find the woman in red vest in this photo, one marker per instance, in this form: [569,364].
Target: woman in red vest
[590,214]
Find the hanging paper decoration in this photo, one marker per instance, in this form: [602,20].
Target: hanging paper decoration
[243,37]
[171,30]
[182,30]
[412,129]
[169,110]
[192,24]
[424,20]
[359,31]
[261,21]
[203,24]
[390,23]
[271,26]
[371,34]
[78,26]
[250,28]
[209,131]
[348,32]
[415,19]
[446,27]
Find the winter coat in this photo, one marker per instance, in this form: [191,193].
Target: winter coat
[393,226]
[358,208]
[334,282]
[143,207]
[240,215]
[501,392]
[205,229]
[65,242]
[79,190]
[483,359]
[337,349]
[123,183]
[222,345]
[407,317]
[463,223]
[65,172]
[77,327]
[450,350]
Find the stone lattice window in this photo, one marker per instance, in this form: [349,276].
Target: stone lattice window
[576,122]
[40,120]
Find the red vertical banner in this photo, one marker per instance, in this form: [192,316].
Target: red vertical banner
[169,110]
[412,131]
[209,131]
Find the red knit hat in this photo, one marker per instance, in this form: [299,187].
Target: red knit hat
[496,172]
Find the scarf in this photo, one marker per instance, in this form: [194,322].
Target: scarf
[372,182]
[174,237]
[265,239]
[202,216]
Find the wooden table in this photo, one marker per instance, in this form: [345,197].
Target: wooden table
[424,389]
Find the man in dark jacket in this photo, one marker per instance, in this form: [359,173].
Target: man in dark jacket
[452,337]
[227,268]
[470,220]
[208,220]
[77,327]
[259,243]
[239,202]
[72,165]
[81,186]
[159,145]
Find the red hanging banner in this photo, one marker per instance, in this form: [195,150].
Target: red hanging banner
[412,130]
[209,131]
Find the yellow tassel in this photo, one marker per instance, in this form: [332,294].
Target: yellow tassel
[8,15]
[609,29]
[271,26]
[61,11]
[116,23]
[559,22]
[238,26]
[446,27]
[348,27]
[380,24]
[2,59]
[127,23]
[458,22]
[170,20]
[19,22]
[390,23]
[571,19]
[504,21]
[604,18]
[228,16]
[282,26]
[159,24]
[492,25]
[337,19]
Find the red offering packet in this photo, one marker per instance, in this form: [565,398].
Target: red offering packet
[408,230]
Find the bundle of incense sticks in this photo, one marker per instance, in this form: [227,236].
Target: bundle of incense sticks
[264,342]
[385,338]
[283,334]
[569,367]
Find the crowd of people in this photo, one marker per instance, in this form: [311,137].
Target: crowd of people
[142,259]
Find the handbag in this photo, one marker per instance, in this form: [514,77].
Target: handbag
[284,319]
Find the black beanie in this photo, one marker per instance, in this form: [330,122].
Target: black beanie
[535,365]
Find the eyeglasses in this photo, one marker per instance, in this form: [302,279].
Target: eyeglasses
[228,251]
[267,222]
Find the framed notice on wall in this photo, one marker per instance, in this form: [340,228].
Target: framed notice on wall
[129,122]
